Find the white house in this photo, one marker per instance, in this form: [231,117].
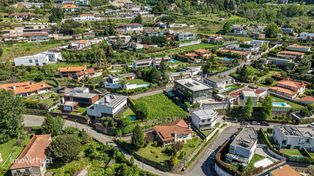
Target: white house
[132,27]
[181,36]
[219,82]
[243,146]
[204,119]
[294,137]
[142,63]
[40,59]
[245,95]
[306,36]
[85,17]
[114,80]
[110,104]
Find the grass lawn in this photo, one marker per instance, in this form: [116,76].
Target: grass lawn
[231,88]
[312,154]
[292,152]
[292,104]
[207,132]
[136,81]
[156,153]
[23,49]
[128,112]
[254,159]
[48,99]
[10,151]
[160,106]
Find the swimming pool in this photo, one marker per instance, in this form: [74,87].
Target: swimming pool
[132,117]
[227,59]
[281,104]
[172,61]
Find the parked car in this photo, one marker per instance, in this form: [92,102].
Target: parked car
[255,123]
[264,123]
[311,125]
[244,123]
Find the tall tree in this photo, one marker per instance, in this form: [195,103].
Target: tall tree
[1,50]
[11,109]
[271,31]
[52,125]
[138,19]
[56,15]
[141,110]
[64,148]
[138,137]
[248,109]
[267,108]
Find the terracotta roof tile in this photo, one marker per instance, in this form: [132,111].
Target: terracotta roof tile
[291,53]
[291,83]
[24,87]
[72,69]
[166,131]
[285,170]
[307,98]
[33,154]
[284,90]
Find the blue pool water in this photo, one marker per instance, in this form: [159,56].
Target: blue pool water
[227,59]
[132,117]
[172,61]
[280,104]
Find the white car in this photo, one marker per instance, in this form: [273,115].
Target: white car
[311,125]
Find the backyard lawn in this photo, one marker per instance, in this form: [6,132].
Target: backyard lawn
[159,106]
[137,81]
[291,152]
[10,151]
[48,99]
[254,159]
[157,153]
[292,104]
[23,49]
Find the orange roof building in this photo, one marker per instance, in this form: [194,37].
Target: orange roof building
[288,88]
[26,88]
[177,131]
[32,160]
[307,99]
[285,170]
[291,54]
[77,72]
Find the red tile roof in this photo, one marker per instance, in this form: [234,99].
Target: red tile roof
[298,46]
[291,83]
[24,87]
[191,55]
[307,98]
[284,90]
[166,131]
[71,69]
[293,53]
[285,170]
[69,6]
[33,154]
[202,51]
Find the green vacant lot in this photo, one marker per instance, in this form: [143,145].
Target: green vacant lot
[254,159]
[23,49]
[160,106]
[136,81]
[10,151]
[291,152]
[157,154]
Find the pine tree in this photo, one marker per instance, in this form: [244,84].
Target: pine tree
[267,108]
[138,137]
[248,109]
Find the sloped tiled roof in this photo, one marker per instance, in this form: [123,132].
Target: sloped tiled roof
[166,131]
[24,87]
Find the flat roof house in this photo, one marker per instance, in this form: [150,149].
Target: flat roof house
[294,137]
[191,90]
[110,104]
[132,27]
[181,36]
[219,82]
[82,98]
[173,132]
[243,146]
[142,63]
[33,159]
[26,37]
[291,54]
[204,119]
[24,89]
[245,95]
[40,59]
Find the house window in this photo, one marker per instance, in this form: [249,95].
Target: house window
[30,61]
[36,60]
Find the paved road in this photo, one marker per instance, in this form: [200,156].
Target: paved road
[203,165]
[31,121]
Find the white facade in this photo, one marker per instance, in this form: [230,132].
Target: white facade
[204,119]
[244,145]
[85,17]
[306,36]
[108,105]
[40,59]
[294,137]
